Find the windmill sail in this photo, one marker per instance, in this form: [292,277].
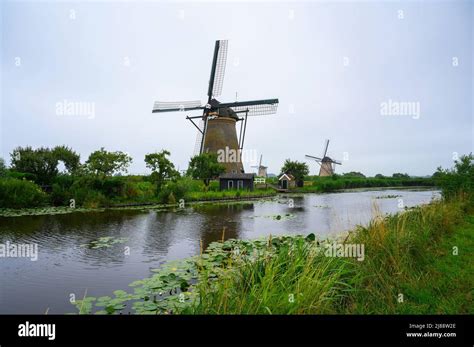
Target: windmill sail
[218,69]
[173,106]
[254,108]
[199,138]
[326,148]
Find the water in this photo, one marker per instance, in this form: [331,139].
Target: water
[66,268]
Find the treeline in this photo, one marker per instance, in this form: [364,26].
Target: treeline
[35,179]
[328,184]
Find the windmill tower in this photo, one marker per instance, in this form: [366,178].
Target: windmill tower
[327,164]
[217,124]
[262,170]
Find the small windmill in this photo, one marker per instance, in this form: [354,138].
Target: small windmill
[327,164]
[217,124]
[262,170]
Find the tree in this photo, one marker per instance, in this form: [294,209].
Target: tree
[104,163]
[354,174]
[162,168]
[3,168]
[458,180]
[379,176]
[205,167]
[400,175]
[298,169]
[71,160]
[41,162]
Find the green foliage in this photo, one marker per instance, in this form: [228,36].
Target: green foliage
[336,182]
[162,168]
[16,193]
[211,195]
[400,175]
[104,163]
[71,160]
[3,168]
[171,199]
[42,163]
[458,180]
[354,174]
[294,276]
[94,191]
[298,169]
[105,242]
[205,167]
[20,175]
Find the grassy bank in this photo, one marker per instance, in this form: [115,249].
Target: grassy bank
[23,197]
[408,267]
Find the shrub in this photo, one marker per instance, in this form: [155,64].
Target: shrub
[459,180]
[15,193]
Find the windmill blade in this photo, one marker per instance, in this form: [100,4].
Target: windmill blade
[261,155]
[218,69]
[326,148]
[199,138]
[174,106]
[337,162]
[254,108]
[311,157]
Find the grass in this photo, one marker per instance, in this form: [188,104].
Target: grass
[408,268]
[228,194]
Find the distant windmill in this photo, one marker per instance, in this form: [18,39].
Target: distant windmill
[217,126]
[327,164]
[262,170]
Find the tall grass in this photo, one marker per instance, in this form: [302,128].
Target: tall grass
[301,279]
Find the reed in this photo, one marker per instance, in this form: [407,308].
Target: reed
[408,267]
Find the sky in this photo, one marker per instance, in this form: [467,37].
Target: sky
[389,83]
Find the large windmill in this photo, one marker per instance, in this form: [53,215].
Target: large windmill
[327,164]
[262,170]
[217,124]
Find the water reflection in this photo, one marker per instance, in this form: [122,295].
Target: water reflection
[152,237]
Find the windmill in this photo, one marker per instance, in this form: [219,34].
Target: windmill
[217,124]
[327,164]
[262,170]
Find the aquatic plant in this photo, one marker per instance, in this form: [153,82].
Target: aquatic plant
[104,242]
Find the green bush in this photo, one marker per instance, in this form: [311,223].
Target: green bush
[459,180]
[20,175]
[15,193]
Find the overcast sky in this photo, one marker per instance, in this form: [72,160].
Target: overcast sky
[332,66]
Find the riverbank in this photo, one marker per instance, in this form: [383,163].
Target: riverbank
[55,210]
[409,265]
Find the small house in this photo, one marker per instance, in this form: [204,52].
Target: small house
[287,181]
[236,181]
